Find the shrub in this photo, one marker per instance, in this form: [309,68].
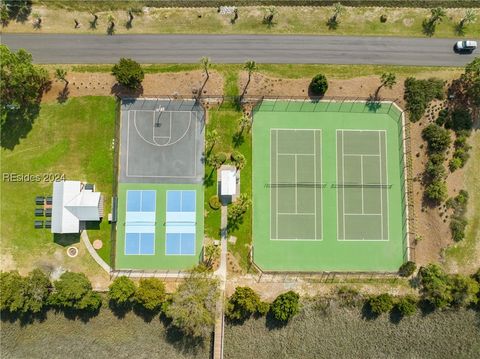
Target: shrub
[461,142]
[407,269]
[436,191]
[383,18]
[319,85]
[74,291]
[382,303]
[221,157]
[285,306]
[419,93]
[435,170]
[443,117]
[438,139]
[122,290]
[348,296]
[214,202]
[464,290]
[454,164]
[150,294]
[435,285]
[457,227]
[129,73]
[462,155]
[460,120]
[407,305]
[11,291]
[36,291]
[243,303]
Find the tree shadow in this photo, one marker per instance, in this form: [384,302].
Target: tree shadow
[62,96]
[37,24]
[129,24]
[395,316]
[123,91]
[185,344]
[66,239]
[426,307]
[208,180]
[17,125]
[24,319]
[367,313]
[374,102]
[272,323]
[459,29]
[119,311]
[76,314]
[93,24]
[92,225]
[332,23]
[145,314]
[238,139]
[111,29]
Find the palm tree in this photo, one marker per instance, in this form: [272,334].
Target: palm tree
[333,22]
[211,138]
[250,66]
[269,15]
[205,62]
[244,122]
[468,18]
[61,75]
[437,15]
[387,79]
[111,24]
[212,252]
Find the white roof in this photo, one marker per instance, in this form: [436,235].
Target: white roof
[71,204]
[228,185]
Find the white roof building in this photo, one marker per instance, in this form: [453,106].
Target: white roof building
[228,182]
[71,203]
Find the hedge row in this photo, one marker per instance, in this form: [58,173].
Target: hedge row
[354,3]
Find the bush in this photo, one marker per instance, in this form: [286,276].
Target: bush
[454,164]
[435,171]
[407,269]
[436,191]
[36,290]
[438,139]
[443,117]
[382,303]
[122,291]
[11,291]
[383,18]
[348,296]
[457,227]
[318,85]
[74,291]
[406,306]
[150,294]
[464,290]
[214,202]
[221,157]
[435,285]
[129,73]
[285,306]
[419,93]
[243,303]
[460,120]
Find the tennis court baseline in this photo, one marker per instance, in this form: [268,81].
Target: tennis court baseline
[140,222]
[180,226]
[295,184]
[362,185]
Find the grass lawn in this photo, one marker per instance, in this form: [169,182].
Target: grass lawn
[287,20]
[335,332]
[72,139]
[225,121]
[465,255]
[103,336]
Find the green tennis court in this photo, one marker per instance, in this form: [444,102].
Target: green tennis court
[328,187]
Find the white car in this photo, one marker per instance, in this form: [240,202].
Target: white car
[466,45]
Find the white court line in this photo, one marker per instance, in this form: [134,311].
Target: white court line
[295,154]
[363,214]
[315,181]
[386,172]
[298,213]
[361,184]
[296,187]
[276,180]
[357,155]
[343,181]
[381,180]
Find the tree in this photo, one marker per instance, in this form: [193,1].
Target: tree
[435,286]
[319,85]
[436,191]
[205,62]
[237,210]
[11,291]
[192,309]
[128,73]
[270,13]
[21,84]
[407,305]
[61,75]
[251,67]
[382,303]
[464,290]
[435,171]
[74,291]
[243,303]
[244,122]
[122,291]
[212,253]
[471,81]
[419,93]
[438,138]
[436,16]
[468,18]
[211,139]
[407,269]
[111,24]
[333,21]
[217,160]
[285,306]
[4,17]
[460,120]
[37,288]
[150,294]
[18,10]
[388,80]
[239,160]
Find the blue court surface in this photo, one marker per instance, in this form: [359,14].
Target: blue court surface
[180,223]
[140,222]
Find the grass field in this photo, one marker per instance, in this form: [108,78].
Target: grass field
[73,139]
[159,260]
[103,336]
[288,20]
[334,332]
[465,255]
[324,199]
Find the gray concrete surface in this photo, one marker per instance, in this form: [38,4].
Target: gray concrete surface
[85,49]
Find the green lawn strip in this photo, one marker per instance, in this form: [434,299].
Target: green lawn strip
[463,254]
[225,121]
[73,139]
[287,20]
[328,254]
[159,260]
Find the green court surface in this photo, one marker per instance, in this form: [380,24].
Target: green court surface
[160,259]
[328,186]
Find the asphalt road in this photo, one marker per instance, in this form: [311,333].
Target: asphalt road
[87,49]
